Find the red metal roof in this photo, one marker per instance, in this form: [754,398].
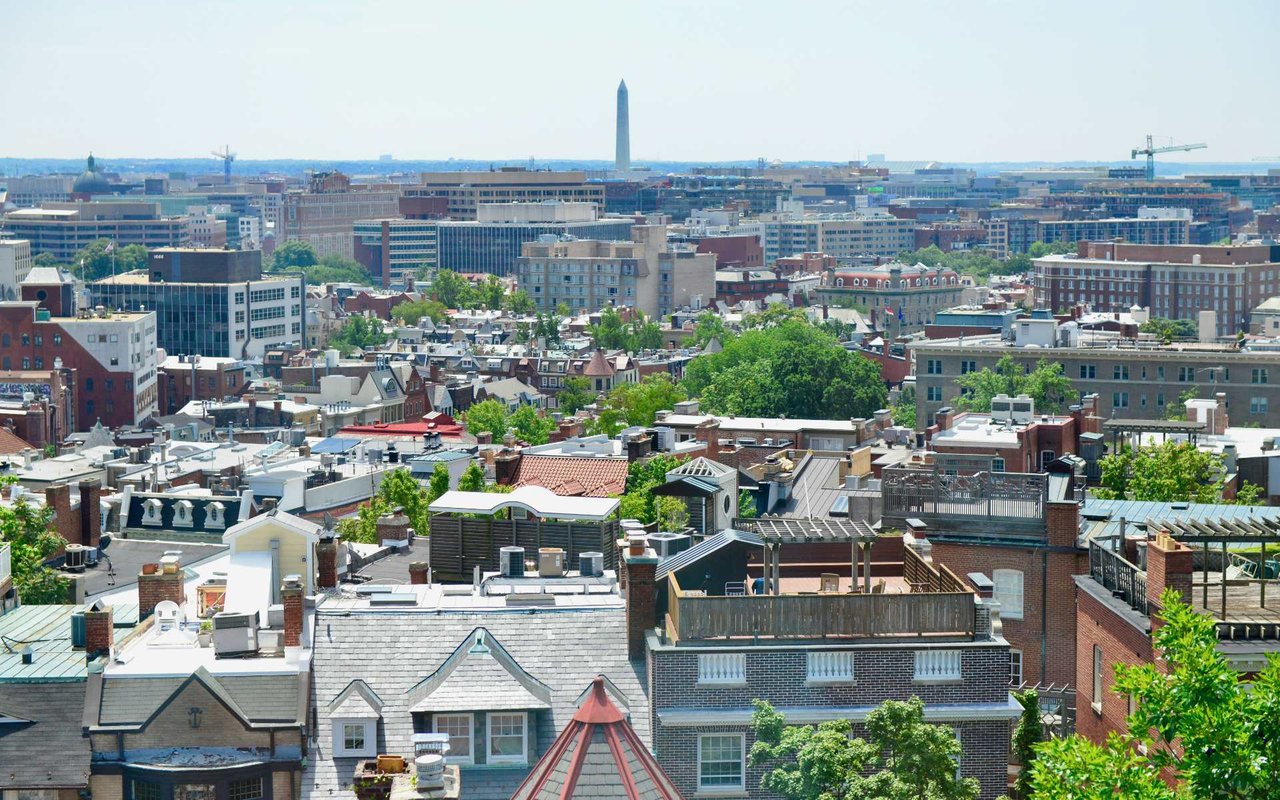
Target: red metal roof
[435,422]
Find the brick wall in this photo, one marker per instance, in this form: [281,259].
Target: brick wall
[157,587]
[1121,643]
[642,608]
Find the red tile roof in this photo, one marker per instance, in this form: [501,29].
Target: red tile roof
[10,442]
[598,366]
[574,476]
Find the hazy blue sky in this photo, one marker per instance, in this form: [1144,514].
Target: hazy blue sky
[709,80]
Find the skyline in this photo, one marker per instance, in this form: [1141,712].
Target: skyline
[720,82]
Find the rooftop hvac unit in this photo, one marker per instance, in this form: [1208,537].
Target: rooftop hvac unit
[591,565]
[75,558]
[668,544]
[235,633]
[1022,410]
[511,562]
[1001,408]
[550,562]
[374,454]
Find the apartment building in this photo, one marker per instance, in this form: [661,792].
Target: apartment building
[1167,229]
[393,250]
[1173,281]
[211,302]
[1133,378]
[15,263]
[60,229]
[492,242]
[844,236]
[646,273]
[324,215]
[904,295]
[467,191]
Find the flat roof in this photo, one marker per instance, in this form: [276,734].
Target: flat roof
[534,499]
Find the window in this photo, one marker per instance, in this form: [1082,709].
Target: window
[828,666]
[88,384]
[1015,667]
[933,394]
[247,789]
[1119,399]
[1186,374]
[352,736]
[1257,405]
[1097,679]
[144,790]
[937,665]
[1258,375]
[1088,371]
[933,367]
[720,761]
[195,791]
[458,726]
[506,738]
[1120,372]
[997,465]
[968,366]
[57,339]
[1046,457]
[722,668]
[32,794]
[1008,592]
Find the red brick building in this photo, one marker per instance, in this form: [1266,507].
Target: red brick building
[743,252]
[197,378]
[1013,443]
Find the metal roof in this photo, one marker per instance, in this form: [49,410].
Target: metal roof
[1248,529]
[1102,517]
[783,530]
[1152,426]
[335,444]
[47,629]
[536,500]
[706,547]
[685,485]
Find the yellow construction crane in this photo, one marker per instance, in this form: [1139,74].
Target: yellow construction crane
[1150,152]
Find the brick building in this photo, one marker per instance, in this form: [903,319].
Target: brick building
[182,379]
[1012,438]
[901,295]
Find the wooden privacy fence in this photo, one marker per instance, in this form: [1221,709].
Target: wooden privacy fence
[693,616]
[459,544]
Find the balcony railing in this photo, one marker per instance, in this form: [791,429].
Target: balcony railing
[815,616]
[1122,579]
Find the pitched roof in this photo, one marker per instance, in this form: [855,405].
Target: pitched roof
[45,748]
[598,366]
[597,755]
[480,660]
[594,476]
[10,442]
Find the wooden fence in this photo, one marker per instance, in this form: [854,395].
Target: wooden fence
[459,544]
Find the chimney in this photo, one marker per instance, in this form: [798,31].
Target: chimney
[505,465]
[57,496]
[418,573]
[269,504]
[1220,414]
[279,413]
[982,584]
[99,630]
[291,599]
[158,582]
[327,561]
[642,608]
[484,437]
[253,412]
[709,432]
[1062,523]
[90,512]
[944,418]
[1168,567]
[393,527]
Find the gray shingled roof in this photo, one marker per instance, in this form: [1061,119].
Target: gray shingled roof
[258,698]
[48,751]
[480,660]
[394,651]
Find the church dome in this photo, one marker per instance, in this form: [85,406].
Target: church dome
[91,181]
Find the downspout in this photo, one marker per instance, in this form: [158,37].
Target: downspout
[1044,613]
[248,322]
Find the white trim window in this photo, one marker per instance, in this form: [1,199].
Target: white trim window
[354,738]
[461,731]
[1015,667]
[1007,591]
[507,738]
[721,762]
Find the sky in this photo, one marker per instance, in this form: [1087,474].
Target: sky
[1024,80]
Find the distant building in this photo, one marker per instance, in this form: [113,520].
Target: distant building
[60,229]
[393,250]
[844,236]
[467,191]
[493,242]
[186,378]
[29,191]
[897,296]
[1171,229]
[324,215]
[15,263]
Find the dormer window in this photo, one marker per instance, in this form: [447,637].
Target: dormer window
[182,514]
[151,512]
[215,515]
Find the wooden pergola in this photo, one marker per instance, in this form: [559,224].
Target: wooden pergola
[1221,534]
[777,531]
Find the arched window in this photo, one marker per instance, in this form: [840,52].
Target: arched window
[839,281]
[1008,592]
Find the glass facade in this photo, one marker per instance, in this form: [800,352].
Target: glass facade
[494,248]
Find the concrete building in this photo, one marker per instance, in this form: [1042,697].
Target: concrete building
[393,250]
[324,215]
[899,297]
[60,229]
[1174,282]
[844,236]
[30,191]
[493,242]
[467,191]
[211,302]
[645,273]
[15,263]
[1168,228]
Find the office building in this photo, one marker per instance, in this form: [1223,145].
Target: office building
[646,273]
[845,236]
[32,190]
[325,213]
[1168,228]
[15,263]
[395,249]
[1174,282]
[898,296]
[492,242]
[60,229]
[212,302]
[467,191]
[622,155]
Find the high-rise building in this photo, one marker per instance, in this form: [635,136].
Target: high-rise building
[622,159]
[60,229]
[15,263]
[492,243]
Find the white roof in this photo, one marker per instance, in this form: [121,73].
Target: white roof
[535,499]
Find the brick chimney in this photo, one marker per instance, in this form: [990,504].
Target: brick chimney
[158,582]
[279,413]
[1220,414]
[291,599]
[944,418]
[505,465]
[99,630]
[484,437]
[253,412]
[709,432]
[417,572]
[327,561]
[1168,567]
[57,496]
[393,527]
[641,597]
[90,512]
[1062,522]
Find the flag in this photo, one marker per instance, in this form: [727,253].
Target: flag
[111,247]
[901,317]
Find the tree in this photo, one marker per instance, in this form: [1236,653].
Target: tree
[413,310]
[638,502]
[400,489]
[563,310]
[363,527]
[1215,729]
[490,293]
[709,326]
[1028,734]
[607,422]
[453,290]
[904,411]
[1169,329]
[102,257]
[548,328]
[575,394]
[672,513]
[492,416]
[293,253]
[530,426]
[639,403]
[439,483]
[1168,472]
[359,332]
[609,333]
[902,758]
[487,416]
[746,504]
[520,303]
[787,368]
[334,268]
[1051,390]
[472,479]
[28,530]
[645,335]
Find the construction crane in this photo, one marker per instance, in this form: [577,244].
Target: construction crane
[1150,152]
[228,156]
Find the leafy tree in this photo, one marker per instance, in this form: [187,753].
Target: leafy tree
[530,426]
[453,290]
[44,260]
[638,502]
[359,332]
[519,302]
[902,758]
[490,293]
[709,326]
[1051,390]
[102,257]
[363,527]
[606,423]
[548,328]
[672,513]
[575,394]
[1169,329]
[773,316]
[28,530]
[487,415]
[293,253]
[439,483]
[746,504]
[645,335]
[472,479]
[609,333]
[904,411]
[639,403]
[334,268]
[563,310]
[400,489]
[1041,249]
[413,310]
[1216,729]
[789,368]
[1028,734]
[1169,471]
[492,416]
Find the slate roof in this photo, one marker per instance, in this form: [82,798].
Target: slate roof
[48,750]
[594,476]
[704,548]
[129,702]
[480,660]
[395,650]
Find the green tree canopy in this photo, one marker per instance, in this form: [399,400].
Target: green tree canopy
[639,403]
[102,257]
[1216,729]
[492,416]
[709,326]
[639,502]
[902,758]
[1051,390]
[1169,329]
[453,290]
[904,411]
[293,254]
[413,310]
[791,368]
[472,479]
[360,332]
[28,530]
[520,303]
[575,395]
[1169,471]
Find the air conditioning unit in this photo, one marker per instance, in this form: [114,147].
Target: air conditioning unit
[74,558]
[591,565]
[511,562]
[550,562]
[235,633]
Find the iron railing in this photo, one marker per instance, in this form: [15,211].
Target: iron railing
[1122,579]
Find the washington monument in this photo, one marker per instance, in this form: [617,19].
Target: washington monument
[622,159]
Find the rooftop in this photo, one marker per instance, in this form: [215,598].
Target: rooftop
[48,631]
[536,500]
